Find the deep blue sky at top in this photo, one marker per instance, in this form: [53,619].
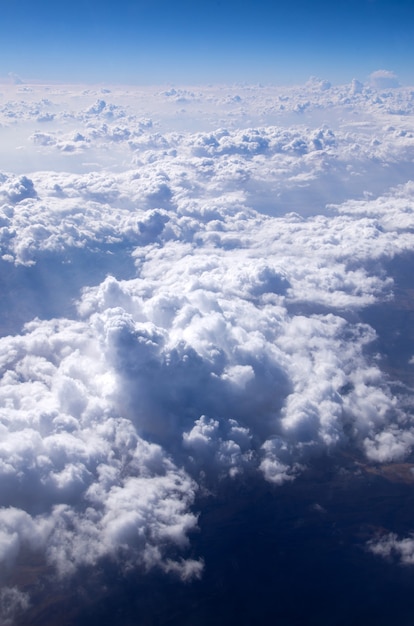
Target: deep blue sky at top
[178,41]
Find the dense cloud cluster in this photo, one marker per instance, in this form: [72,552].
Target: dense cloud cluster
[207,326]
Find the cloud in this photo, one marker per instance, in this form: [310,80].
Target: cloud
[61,446]
[15,78]
[13,603]
[15,190]
[187,311]
[391,547]
[383,79]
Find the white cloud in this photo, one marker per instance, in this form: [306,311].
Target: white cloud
[61,446]
[16,189]
[390,546]
[383,79]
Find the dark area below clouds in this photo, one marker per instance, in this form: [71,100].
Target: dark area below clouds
[291,556]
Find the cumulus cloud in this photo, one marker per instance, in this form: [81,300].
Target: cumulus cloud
[383,79]
[15,190]
[192,314]
[61,446]
[391,547]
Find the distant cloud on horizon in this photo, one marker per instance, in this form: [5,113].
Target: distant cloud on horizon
[384,79]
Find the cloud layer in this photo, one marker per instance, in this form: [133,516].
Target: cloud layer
[183,306]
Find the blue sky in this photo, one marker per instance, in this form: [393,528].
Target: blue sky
[151,41]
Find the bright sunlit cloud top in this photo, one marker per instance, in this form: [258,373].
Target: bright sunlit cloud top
[156,41]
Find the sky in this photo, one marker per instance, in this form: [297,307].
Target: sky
[153,41]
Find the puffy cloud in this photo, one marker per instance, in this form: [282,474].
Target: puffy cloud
[390,546]
[392,444]
[356,86]
[61,447]
[318,83]
[383,79]
[16,189]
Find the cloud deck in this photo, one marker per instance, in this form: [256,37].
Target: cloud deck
[218,250]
